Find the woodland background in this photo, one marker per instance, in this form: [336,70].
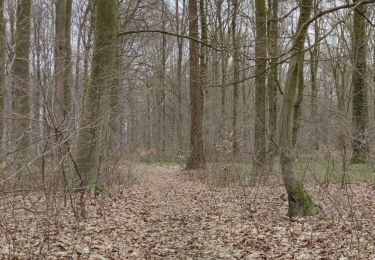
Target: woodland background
[116,105]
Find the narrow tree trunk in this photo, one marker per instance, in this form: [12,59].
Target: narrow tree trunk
[259,162]
[297,104]
[196,159]
[314,86]
[203,68]
[244,107]
[360,110]
[63,66]
[2,70]
[224,64]
[179,79]
[21,72]
[273,75]
[163,116]
[300,202]
[116,117]
[236,78]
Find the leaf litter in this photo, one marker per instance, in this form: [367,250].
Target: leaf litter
[169,215]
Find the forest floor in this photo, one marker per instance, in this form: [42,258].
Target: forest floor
[171,214]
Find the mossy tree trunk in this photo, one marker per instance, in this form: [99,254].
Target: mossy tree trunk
[360,109]
[20,71]
[196,158]
[260,157]
[300,202]
[93,125]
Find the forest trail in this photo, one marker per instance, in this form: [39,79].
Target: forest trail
[184,218]
[167,214]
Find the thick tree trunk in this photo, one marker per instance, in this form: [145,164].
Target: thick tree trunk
[300,202]
[21,72]
[260,156]
[93,126]
[196,159]
[360,109]
[273,75]
[236,78]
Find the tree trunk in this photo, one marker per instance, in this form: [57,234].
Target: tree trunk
[360,110]
[300,202]
[260,148]
[314,87]
[236,78]
[21,72]
[179,79]
[297,104]
[63,66]
[116,115]
[2,70]
[163,116]
[224,64]
[273,75]
[92,125]
[196,159]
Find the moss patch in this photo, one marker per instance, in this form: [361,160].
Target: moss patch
[300,203]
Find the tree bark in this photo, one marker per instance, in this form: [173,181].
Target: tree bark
[236,78]
[93,124]
[179,78]
[163,115]
[2,70]
[63,65]
[314,86]
[196,159]
[273,76]
[360,109]
[260,156]
[21,72]
[224,64]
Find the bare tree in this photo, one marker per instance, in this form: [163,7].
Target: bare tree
[360,108]
[273,77]
[300,202]
[260,148]
[63,78]
[236,76]
[93,127]
[197,158]
[21,72]
[2,68]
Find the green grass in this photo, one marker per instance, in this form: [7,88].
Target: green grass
[322,170]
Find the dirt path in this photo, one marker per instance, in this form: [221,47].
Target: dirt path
[166,215]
